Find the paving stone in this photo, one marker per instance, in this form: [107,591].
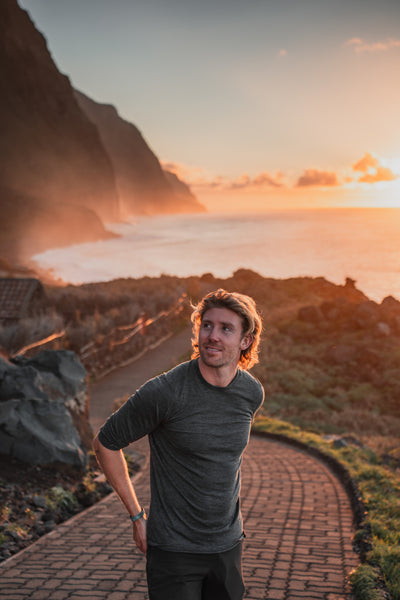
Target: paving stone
[298,522]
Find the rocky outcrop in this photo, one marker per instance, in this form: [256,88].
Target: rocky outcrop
[342,315]
[49,148]
[43,409]
[143,187]
[28,226]
[183,195]
[64,174]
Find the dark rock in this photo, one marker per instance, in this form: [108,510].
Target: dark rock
[49,526]
[39,501]
[15,535]
[391,305]
[383,329]
[104,488]
[43,409]
[68,164]
[38,529]
[51,152]
[5,551]
[143,187]
[48,515]
[330,310]
[342,441]
[184,197]
[366,314]
[350,283]
[85,497]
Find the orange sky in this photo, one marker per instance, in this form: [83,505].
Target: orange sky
[369,182]
[255,104]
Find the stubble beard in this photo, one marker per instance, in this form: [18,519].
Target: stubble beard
[217,361]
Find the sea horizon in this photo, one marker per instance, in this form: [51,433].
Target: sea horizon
[331,242]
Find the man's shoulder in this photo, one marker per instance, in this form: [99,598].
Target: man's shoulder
[180,371]
[252,385]
[249,378]
[170,380]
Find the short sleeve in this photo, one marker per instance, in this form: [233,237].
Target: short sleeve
[141,414]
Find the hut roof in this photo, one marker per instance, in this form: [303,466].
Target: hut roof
[20,298]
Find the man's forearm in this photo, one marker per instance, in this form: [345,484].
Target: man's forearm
[114,467]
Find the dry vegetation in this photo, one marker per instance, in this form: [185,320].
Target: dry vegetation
[332,375]
[330,361]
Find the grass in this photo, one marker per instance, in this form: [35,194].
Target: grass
[379,531]
[63,499]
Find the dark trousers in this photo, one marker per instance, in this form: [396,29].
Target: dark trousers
[184,576]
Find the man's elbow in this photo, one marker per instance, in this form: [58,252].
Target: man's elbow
[100,450]
[97,445]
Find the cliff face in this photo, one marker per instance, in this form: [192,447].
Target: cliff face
[49,148]
[143,187]
[63,174]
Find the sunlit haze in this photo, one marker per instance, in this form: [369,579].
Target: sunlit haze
[255,104]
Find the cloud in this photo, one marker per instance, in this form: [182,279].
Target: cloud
[373,170]
[365,163]
[369,170]
[381,174]
[315,178]
[361,46]
[261,181]
[197,178]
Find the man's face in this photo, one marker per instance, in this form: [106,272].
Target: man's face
[221,338]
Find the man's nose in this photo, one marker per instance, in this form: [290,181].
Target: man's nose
[213,333]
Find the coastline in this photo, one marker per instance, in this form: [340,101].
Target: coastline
[334,243]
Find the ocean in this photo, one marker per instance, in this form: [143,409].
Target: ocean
[362,243]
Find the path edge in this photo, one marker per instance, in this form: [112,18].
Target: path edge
[358,507]
[80,515]
[350,485]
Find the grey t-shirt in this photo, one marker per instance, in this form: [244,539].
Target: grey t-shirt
[197,434]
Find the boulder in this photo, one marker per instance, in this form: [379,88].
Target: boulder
[43,408]
[366,314]
[383,329]
[330,310]
[391,305]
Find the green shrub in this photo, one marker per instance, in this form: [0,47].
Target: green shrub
[63,499]
[380,491]
[364,583]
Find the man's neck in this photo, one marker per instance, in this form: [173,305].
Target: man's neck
[217,376]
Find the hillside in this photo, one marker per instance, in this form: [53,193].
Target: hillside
[143,187]
[64,175]
[329,358]
[51,153]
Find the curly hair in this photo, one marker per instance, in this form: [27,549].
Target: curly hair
[245,307]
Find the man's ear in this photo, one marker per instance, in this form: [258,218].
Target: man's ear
[246,341]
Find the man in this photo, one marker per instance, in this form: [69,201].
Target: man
[198,418]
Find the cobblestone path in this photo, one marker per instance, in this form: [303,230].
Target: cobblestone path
[298,525]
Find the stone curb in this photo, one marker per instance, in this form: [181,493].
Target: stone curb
[80,515]
[350,485]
